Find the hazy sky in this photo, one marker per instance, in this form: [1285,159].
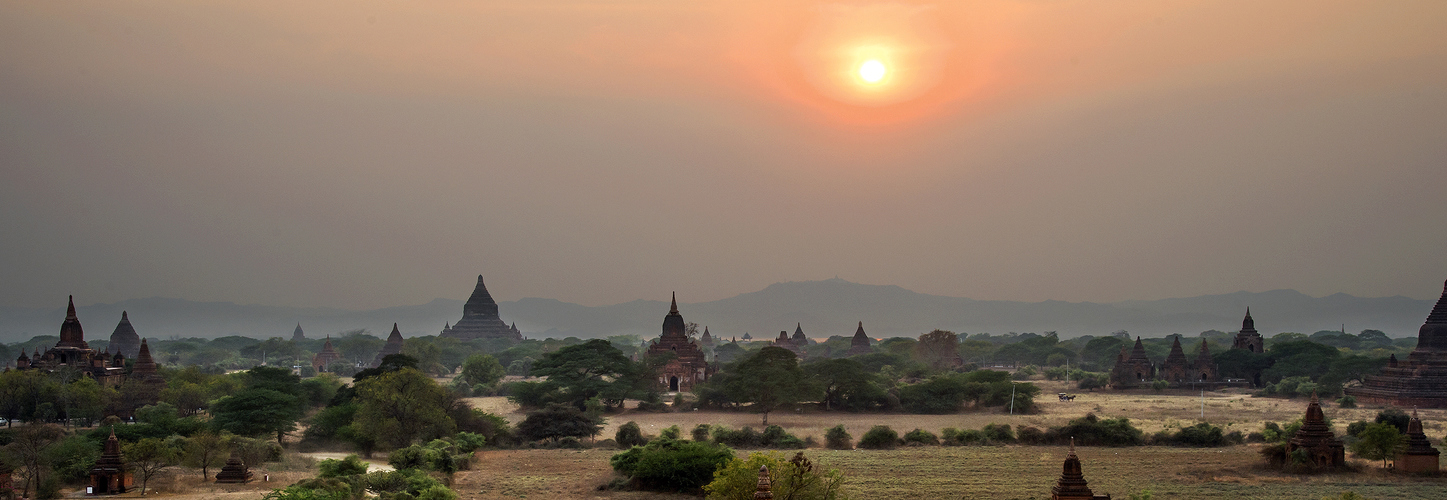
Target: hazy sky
[368,154]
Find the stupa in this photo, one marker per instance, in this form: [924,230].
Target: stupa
[1175,369]
[1322,447]
[800,339]
[1133,369]
[480,319]
[1072,484]
[688,366]
[328,355]
[859,345]
[787,343]
[109,476]
[124,339]
[1419,456]
[297,335]
[1205,368]
[1420,381]
[73,352]
[393,346]
[1248,338]
[234,471]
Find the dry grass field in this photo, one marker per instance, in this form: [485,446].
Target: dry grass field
[992,472]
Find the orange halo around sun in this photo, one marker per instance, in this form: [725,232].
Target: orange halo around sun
[872,71]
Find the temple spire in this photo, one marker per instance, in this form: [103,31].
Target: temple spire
[673,306]
[70,308]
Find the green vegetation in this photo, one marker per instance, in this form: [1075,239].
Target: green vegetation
[671,465]
[879,437]
[797,478]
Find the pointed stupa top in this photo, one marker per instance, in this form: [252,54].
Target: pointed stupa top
[706,338]
[124,339]
[1439,312]
[395,336]
[799,337]
[1205,355]
[1418,445]
[481,302]
[71,334]
[1072,483]
[297,334]
[860,338]
[1139,351]
[1433,334]
[1248,325]
[1177,354]
[673,325]
[145,367]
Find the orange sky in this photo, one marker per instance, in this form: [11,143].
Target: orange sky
[365,154]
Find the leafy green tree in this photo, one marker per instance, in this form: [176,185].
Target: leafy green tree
[29,452]
[592,369]
[482,369]
[255,411]
[149,456]
[204,450]
[401,407]
[629,435]
[770,378]
[671,465]
[427,354]
[558,421]
[939,395]
[846,384]
[938,349]
[1379,441]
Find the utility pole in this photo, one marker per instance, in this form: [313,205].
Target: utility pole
[1012,398]
[1203,405]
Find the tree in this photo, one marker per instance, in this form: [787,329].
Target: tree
[253,412]
[594,368]
[769,379]
[1379,441]
[558,421]
[29,451]
[482,369]
[938,349]
[846,384]
[398,408]
[204,450]
[427,354]
[149,456]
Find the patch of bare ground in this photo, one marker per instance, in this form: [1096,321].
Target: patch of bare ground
[544,474]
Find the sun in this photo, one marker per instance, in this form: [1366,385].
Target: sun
[872,71]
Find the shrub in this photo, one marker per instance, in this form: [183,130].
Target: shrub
[742,438]
[1347,402]
[629,435]
[1093,431]
[570,443]
[776,437]
[879,437]
[1256,437]
[836,438]
[349,466]
[700,432]
[1031,435]
[1200,435]
[943,394]
[672,432]
[557,421]
[1160,385]
[670,465]
[955,437]
[921,437]
[654,407]
[998,433]
[797,478]
[1396,418]
[1357,427]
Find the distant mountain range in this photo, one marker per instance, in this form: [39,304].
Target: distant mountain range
[823,308]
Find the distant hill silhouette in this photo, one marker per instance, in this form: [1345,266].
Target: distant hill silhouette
[824,308]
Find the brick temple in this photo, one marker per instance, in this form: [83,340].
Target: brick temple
[1420,381]
[688,366]
[480,319]
[72,351]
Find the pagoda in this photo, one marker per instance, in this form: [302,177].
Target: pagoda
[1248,338]
[72,351]
[1175,368]
[859,345]
[109,476]
[124,339]
[480,319]
[327,356]
[1419,456]
[1420,381]
[787,343]
[297,335]
[1205,368]
[1072,484]
[235,471]
[706,339]
[1322,447]
[800,339]
[393,346]
[688,366]
[1132,369]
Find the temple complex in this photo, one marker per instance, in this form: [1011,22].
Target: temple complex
[1248,338]
[1176,369]
[800,340]
[108,476]
[234,471]
[787,343]
[393,346]
[859,345]
[72,351]
[1072,484]
[1419,456]
[297,335]
[328,355]
[1421,381]
[124,339]
[1133,369]
[480,319]
[1321,445]
[688,365]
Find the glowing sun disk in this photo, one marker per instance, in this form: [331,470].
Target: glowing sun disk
[872,71]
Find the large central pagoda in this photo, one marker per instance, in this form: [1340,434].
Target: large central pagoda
[1422,379]
[480,319]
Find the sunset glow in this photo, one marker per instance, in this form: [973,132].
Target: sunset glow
[872,71]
